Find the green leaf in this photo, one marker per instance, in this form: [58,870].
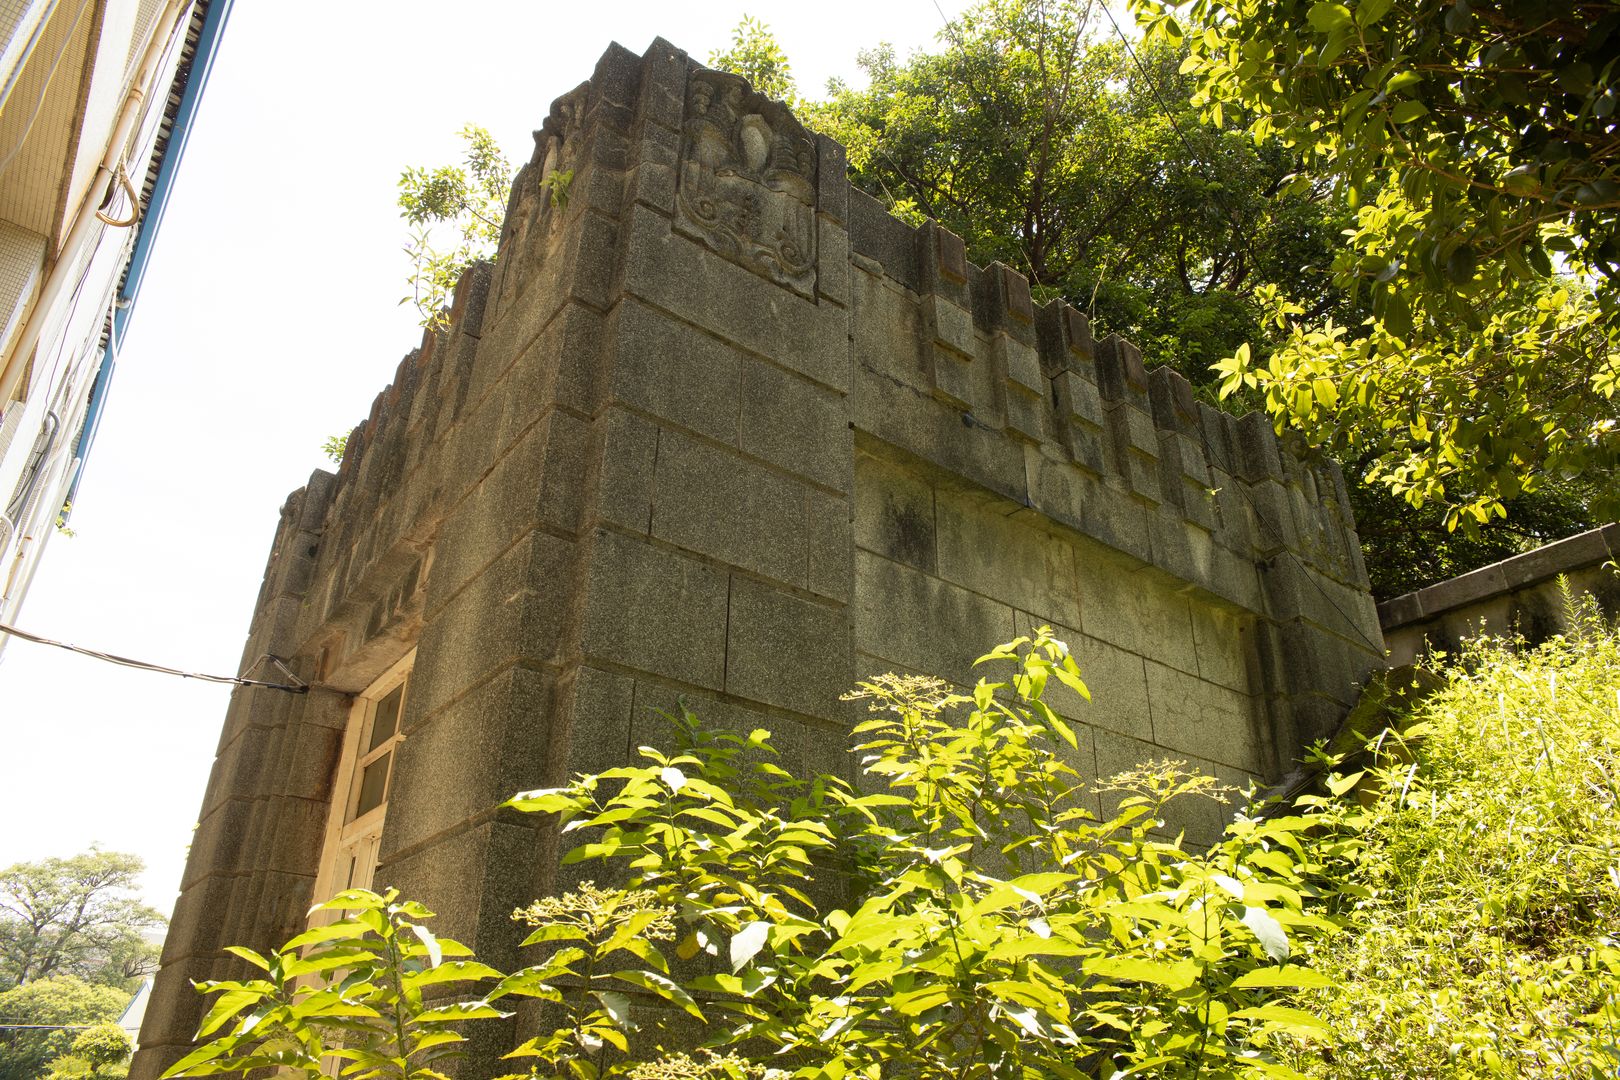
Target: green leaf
[616,1005]
[1176,976]
[250,956]
[548,801]
[461,1010]
[451,971]
[1368,12]
[226,1006]
[1299,977]
[1338,785]
[1325,17]
[1296,1021]
[333,931]
[663,987]
[1400,82]
[917,1002]
[1407,111]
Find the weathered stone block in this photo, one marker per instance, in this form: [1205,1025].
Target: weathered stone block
[1078,399]
[883,315]
[950,325]
[1223,640]
[894,513]
[922,623]
[473,755]
[787,651]
[796,425]
[595,722]
[674,371]
[1001,550]
[1203,719]
[951,376]
[629,451]
[538,482]
[514,610]
[830,536]
[941,435]
[832,180]
[1026,414]
[832,279]
[1135,610]
[715,502]
[654,609]
[680,276]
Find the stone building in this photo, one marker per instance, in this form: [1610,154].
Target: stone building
[717,426]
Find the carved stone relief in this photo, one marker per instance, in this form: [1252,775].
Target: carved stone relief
[534,218]
[748,181]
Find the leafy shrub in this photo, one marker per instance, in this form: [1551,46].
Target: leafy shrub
[971,916]
[977,911]
[350,992]
[100,1052]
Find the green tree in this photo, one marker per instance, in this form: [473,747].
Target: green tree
[96,1053]
[75,916]
[467,203]
[61,1006]
[1477,144]
[1059,151]
[756,55]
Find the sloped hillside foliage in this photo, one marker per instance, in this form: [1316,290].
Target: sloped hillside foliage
[1483,926]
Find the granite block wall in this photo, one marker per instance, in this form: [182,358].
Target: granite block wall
[714,426]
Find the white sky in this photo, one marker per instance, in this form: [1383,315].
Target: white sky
[267,322]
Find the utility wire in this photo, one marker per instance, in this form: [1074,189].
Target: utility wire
[297,686]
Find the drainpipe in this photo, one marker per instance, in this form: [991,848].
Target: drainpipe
[11,369]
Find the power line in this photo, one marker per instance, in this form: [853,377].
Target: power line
[296,686]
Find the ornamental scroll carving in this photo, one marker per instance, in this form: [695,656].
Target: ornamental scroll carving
[748,181]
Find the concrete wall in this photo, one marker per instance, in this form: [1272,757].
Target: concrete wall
[1520,595]
[718,426]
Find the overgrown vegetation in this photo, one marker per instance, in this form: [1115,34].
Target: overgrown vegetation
[1485,926]
[1446,906]
[1476,145]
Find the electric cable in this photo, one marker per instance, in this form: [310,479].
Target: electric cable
[45,90]
[297,686]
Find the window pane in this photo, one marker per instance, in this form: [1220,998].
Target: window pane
[386,720]
[373,785]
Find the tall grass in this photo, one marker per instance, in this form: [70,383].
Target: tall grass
[1483,905]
